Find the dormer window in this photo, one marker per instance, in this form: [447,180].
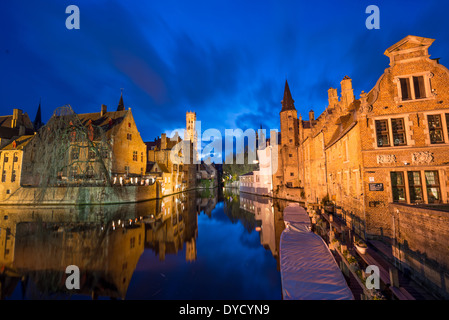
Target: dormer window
[414,87]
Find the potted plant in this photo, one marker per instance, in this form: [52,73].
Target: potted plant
[334,244]
[327,204]
[361,246]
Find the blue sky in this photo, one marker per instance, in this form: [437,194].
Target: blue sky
[226,60]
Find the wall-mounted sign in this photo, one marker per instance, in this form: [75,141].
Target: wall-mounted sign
[376,187]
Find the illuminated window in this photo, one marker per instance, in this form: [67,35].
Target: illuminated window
[398,186]
[433,186]
[415,186]
[435,128]
[391,132]
[382,132]
[398,129]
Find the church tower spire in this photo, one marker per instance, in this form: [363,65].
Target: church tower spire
[121,105]
[287,103]
[37,124]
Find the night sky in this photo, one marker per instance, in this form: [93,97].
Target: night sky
[227,60]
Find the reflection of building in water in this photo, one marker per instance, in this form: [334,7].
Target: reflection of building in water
[177,225]
[206,204]
[270,213]
[105,242]
[36,246]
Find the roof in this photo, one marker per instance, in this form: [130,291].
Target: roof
[346,123]
[153,144]
[163,167]
[18,143]
[157,143]
[409,42]
[107,121]
[6,121]
[150,166]
[121,105]
[287,102]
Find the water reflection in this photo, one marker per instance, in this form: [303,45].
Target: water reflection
[110,245]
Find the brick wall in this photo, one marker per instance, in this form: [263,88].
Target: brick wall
[421,244]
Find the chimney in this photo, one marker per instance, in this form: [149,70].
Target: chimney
[163,141]
[347,93]
[21,130]
[104,109]
[333,97]
[16,118]
[311,115]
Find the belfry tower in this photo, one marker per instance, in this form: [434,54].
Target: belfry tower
[191,133]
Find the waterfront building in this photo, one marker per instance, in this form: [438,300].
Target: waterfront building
[286,179]
[380,159]
[11,163]
[75,149]
[160,165]
[174,174]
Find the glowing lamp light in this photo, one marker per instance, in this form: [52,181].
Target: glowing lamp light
[258,229]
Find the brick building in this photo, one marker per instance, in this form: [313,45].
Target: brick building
[178,175]
[75,149]
[390,145]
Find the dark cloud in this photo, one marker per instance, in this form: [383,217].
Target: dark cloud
[226,61]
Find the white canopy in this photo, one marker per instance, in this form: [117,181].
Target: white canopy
[308,268]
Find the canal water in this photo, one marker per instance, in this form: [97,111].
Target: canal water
[213,244]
